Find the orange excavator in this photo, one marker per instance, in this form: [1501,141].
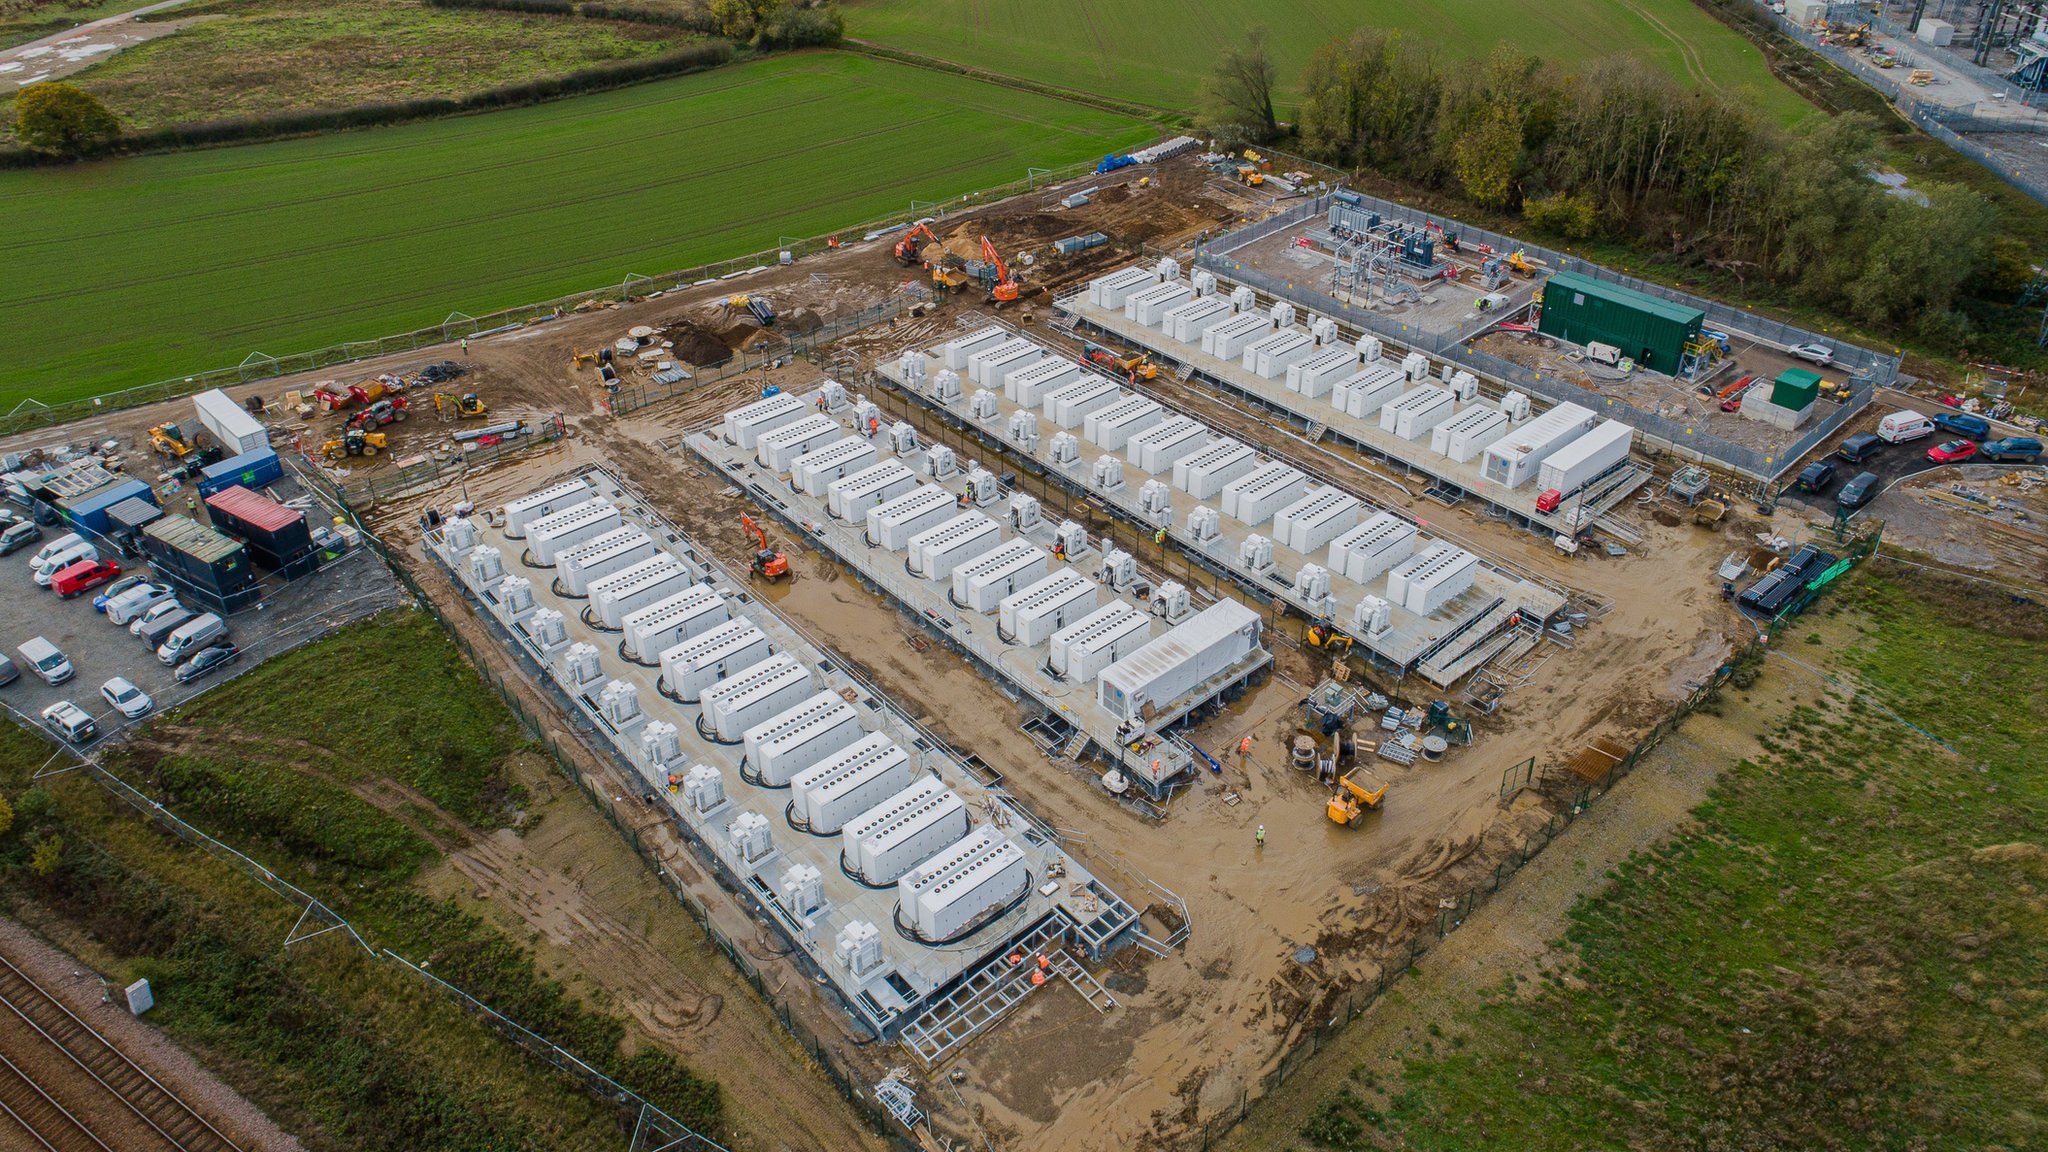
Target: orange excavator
[909,252]
[1005,288]
[768,563]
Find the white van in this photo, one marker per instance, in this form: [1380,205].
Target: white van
[152,614]
[1900,427]
[45,660]
[195,634]
[68,540]
[59,561]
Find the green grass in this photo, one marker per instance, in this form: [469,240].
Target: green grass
[302,764]
[25,20]
[253,57]
[123,272]
[1843,954]
[1158,51]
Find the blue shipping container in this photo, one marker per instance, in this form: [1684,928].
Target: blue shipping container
[89,511]
[252,470]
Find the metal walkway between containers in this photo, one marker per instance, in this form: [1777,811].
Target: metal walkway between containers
[1412,643]
[1357,433]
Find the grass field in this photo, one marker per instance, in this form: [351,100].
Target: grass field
[1844,953]
[129,271]
[249,57]
[1157,51]
[25,20]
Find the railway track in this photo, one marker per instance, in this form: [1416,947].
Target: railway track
[71,1090]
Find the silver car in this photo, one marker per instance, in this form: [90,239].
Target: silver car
[126,698]
[123,609]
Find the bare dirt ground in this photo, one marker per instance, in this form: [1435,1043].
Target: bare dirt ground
[101,1005]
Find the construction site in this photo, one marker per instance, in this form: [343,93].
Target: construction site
[1080,641]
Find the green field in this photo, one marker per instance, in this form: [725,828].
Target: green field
[1844,952]
[123,272]
[25,20]
[1157,51]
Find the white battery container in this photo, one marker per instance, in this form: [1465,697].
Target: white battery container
[1156,448]
[1315,376]
[1464,436]
[1113,425]
[1202,474]
[1109,292]
[823,797]
[981,583]
[1585,459]
[814,472]
[963,888]
[622,547]
[955,353]
[791,741]
[1081,650]
[778,448]
[1226,341]
[1365,394]
[643,585]
[551,535]
[1257,495]
[892,523]
[850,497]
[887,840]
[1415,412]
[1069,405]
[525,510]
[1029,617]
[1269,359]
[690,666]
[1009,354]
[1166,670]
[935,552]
[1364,552]
[1187,322]
[1316,519]
[752,695]
[744,426]
[1027,387]
[690,612]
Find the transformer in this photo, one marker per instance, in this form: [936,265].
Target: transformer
[1170,600]
[858,948]
[1255,554]
[703,789]
[1119,569]
[1108,474]
[1372,617]
[1024,511]
[1065,449]
[946,386]
[750,838]
[940,462]
[580,665]
[902,438]
[548,628]
[1415,366]
[1070,540]
[1023,431]
[800,890]
[984,405]
[619,702]
[1204,525]
[1155,501]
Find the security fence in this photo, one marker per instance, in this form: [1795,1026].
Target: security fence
[1868,370]
[364,493]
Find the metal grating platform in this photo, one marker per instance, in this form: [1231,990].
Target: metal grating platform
[981,997]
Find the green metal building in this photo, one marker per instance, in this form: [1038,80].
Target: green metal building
[1796,389]
[1654,332]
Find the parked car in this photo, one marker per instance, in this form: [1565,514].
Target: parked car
[191,636]
[70,721]
[1860,447]
[1860,490]
[1952,451]
[206,660]
[1819,354]
[2011,450]
[85,576]
[153,613]
[64,558]
[1963,424]
[46,660]
[19,535]
[8,672]
[123,609]
[1815,477]
[1899,427]
[106,595]
[126,698]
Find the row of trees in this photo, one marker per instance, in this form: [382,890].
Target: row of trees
[1618,151]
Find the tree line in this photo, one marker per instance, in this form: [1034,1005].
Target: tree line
[1616,151]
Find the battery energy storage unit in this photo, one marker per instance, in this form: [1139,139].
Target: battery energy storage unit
[1256,496]
[1113,426]
[1464,436]
[962,888]
[1202,474]
[935,552]
[892,523]
[1188,322]
[1027,387]
[525,510]
[780,747]
[1269,359]
[884,842]
[1165,671]
[1157,448]
[690,666]
[850,497]
[1080,651]
[1365,394]
[1010,354]
[690,612]
[748,697]
[955,354]
[1315,520]
[823,797]
[550,536]
[1226,341]
[621,547]
[1415,412]
[1069,405]
[814,472]
[1110,292]
[778,448]
[1432,578]
[1148,306]
[980,584]
[1030,617]
[743,426]
[1315,376]
[1364,552]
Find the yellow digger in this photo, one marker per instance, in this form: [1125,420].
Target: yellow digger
[1357,791]
[355,442]
[468,406]
[1320,635]
[169,440]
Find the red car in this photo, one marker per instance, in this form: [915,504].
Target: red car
[1951,451]
[86,575]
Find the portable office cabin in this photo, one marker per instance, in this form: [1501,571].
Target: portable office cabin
[1027,387]
[850,497]
[1157,448]
[87,512]
[231,424]
[205,565]
[673,619]
[1175,665]
[815,471]
[126,520]
[1513,460]
[1030,617]
[250,470]
[1113,426]
[1653,331]
[691,665]
[276,536]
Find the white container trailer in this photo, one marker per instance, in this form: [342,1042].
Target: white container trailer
[1188,322]
[823,797]
[546,502]
[837,789]
[1165,671]
[692,665]
[1269,359]
[1585,459]
[1069,405]
[780,747]
[1366,393]
[743,426]
[1226,341]
[231,424]
[1415,412]
[978,364]
[622,547]
[1316,519]
[1157,448]
[935,552]
[643,585]
[691,612]
[957,352]
[1081,650]
[1467,434]
[1432,578]
[1373,547]
[1109,292]
[1031,616]
[814,471]
[963,888]
[550,536]
[1149,306]
[778,448]
[891,524]
[884,842]
[850,497]
[1514,459]
[1315,376]
[1113,426]
[1203,474]
[752,695]
[1027,386]
[981,583]
[1256,496]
